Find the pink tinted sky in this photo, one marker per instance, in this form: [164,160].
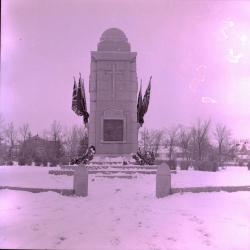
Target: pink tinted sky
[197,52]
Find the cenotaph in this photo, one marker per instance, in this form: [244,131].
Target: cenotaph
[113,127]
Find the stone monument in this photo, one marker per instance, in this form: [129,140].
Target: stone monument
[80,183]
[163,181]
[113,127]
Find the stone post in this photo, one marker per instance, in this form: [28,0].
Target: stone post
[163,181]
[81,181]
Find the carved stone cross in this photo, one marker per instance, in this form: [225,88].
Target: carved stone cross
[113,74]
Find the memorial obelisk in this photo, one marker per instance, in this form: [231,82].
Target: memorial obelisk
[113,127]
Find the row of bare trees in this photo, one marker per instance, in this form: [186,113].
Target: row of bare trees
[56,144]
[197,142]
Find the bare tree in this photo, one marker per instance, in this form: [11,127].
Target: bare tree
[233,149]
[171,140]
[144,140]
[25,132]
[200,138]
[157,140]
[222,137]
[56,131]
[75,142]
[1,129]
[83,140]
[3,147]
[71,142]
[10,136]
[184,141]
[150,140]
[56,136]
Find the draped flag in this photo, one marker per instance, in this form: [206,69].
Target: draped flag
[139,107]
[74,97]
[146,98]
[84,104]
[142,104]
[79,105]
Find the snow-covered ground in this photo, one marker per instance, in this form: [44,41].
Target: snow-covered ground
[31,176]
[38,177]
[124,214]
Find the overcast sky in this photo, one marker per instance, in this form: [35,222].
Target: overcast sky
[197,52]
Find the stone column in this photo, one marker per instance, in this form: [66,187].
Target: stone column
[163,181]
[81,181]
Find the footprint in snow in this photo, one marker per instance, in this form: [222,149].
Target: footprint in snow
[60,240]
[206,235]
[115,241]
[118,219]
[196,219]
[171,239]
[185,214]
[35,227]
[153,246]
[155,235]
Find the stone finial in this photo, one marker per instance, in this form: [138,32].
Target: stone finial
[113,39]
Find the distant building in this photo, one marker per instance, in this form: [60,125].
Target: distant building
[163,153]
[243,152]
[40,150]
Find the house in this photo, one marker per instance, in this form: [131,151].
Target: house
[163,153]
[243,153]
[39,150]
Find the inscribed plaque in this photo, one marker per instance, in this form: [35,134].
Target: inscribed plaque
[113,130]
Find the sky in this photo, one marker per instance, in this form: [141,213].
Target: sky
[197,52]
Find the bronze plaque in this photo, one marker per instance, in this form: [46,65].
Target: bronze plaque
[113,130]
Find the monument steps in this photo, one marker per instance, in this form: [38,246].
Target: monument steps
[110,171]
[117,176]
[107,166]
[71,172]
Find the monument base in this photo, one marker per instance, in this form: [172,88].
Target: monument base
[112,158]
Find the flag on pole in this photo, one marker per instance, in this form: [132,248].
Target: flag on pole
[83,94]
[74,97]
[79,105]
[84,104]
[139,107]
[142,104]
[146,98]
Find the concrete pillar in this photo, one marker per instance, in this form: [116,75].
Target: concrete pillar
[81,181]
[163,181]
